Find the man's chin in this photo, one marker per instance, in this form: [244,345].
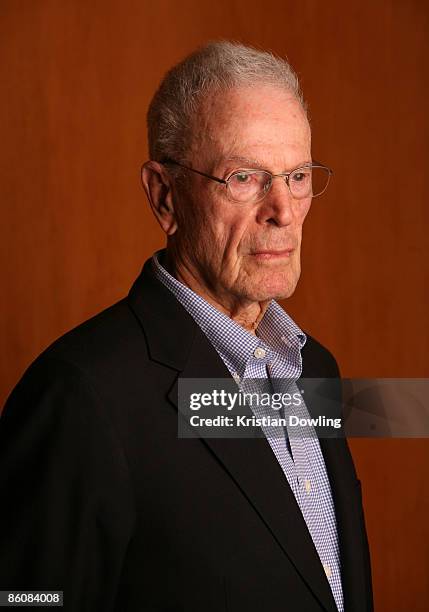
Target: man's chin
[271,289]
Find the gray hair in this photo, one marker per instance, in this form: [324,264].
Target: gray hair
[218,66]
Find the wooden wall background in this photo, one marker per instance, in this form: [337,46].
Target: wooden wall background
[76,78]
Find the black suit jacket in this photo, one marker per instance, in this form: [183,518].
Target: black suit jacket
[101,499]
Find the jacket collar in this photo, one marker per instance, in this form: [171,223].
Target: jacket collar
[169,330]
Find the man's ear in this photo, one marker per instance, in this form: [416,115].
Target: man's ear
[157,185]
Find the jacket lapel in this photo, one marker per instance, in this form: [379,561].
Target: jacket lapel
[176,341]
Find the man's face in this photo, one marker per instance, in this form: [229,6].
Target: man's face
[244,252]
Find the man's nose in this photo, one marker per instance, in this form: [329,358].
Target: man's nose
[278,205]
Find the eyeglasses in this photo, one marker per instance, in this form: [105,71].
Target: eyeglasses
[249,185]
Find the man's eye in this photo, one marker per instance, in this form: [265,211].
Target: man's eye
[300,177]
[243,177]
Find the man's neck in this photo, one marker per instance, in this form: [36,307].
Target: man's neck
[246,313]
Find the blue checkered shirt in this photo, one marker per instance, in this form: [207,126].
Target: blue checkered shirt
[274,354]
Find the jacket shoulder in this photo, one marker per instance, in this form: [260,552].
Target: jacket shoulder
[105,337]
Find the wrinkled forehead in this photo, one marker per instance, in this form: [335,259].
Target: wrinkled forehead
[262,122]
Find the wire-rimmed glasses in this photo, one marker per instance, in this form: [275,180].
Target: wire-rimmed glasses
[252,185]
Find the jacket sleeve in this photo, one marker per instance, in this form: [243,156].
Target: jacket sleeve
[67,511]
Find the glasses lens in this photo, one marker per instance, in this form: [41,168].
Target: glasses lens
[248,185]
[307,182]
[320,180]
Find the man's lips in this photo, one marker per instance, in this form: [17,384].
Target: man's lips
[267,254]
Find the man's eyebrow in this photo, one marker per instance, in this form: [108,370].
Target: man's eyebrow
[258,164]
[253,163]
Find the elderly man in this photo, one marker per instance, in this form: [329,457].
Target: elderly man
[101,498]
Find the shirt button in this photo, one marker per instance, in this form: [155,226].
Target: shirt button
[328,570]
[259,353]
[307,485]
[236,377]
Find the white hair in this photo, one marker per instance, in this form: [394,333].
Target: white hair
[216,67]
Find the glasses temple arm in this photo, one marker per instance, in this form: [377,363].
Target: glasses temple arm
[209,176]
